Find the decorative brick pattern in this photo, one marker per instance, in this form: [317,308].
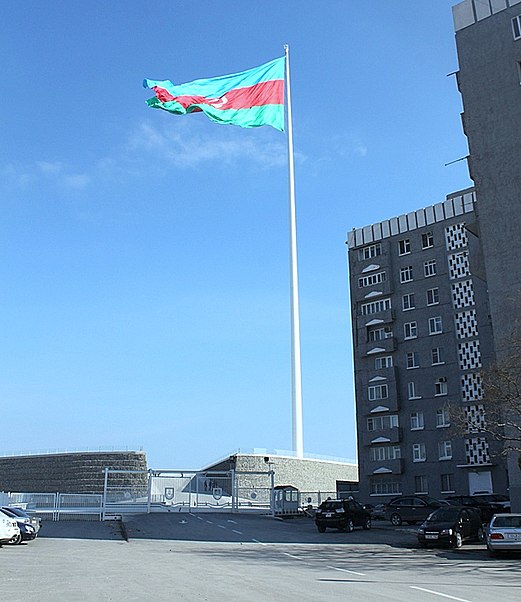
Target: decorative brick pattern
[456,237]
[466,324]
[459,266]
[471,387]
[462,294]
[469,355]
[477,451]
[475,416]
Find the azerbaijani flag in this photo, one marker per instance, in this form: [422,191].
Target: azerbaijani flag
[249,99]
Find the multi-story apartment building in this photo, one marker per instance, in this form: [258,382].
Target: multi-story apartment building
[488,39]
[421,334]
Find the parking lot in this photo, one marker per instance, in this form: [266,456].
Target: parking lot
[182,556]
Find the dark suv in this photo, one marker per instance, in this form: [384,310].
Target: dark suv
[343,515]
[411,510]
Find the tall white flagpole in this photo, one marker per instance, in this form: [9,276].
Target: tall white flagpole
[296,374]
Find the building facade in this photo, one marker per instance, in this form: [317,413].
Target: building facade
[421,334]
[488,39]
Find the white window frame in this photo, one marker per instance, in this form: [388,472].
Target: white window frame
[384,361]
[435,325]
[440,387]
[404,246]
[434,293]
[412,329]
[516,27]
[439,353]
[424,485]
[417,421]
[429,268]
[419,453]
[406,274]
[377,392]
[375,307]
[411,360]
[372,279]
[442,418]
[383,333]
[370,251]
[447,481]
[408,302]
[427,236]
[444,450]
[411,391]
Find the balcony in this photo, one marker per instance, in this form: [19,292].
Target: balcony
[391,435]
[386,345]
[377,467]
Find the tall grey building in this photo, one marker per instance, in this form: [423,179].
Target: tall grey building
[421,334]
[488,39]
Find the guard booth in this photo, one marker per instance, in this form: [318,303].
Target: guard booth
[286,500]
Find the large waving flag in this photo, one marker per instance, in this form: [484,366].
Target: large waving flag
[248,99]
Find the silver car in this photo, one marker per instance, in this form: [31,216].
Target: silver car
[504,533]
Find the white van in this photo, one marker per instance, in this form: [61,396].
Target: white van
[8,529]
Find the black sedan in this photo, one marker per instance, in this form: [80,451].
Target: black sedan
[451,526]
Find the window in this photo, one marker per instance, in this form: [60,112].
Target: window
[385,361]
[411,391]
[410,330]
[385,486]
[435,325]
[433,296]
[411,359]
[404,246]
[386,452]
[440,386]
[406,274]
[437,356]
[372,279]
[408,302]
[378,334]
[429,268]
[378,392]
[375,306]
[442,418]
[516,27]
[420,484]
[382,423]
[444,450]
[427,240]
[447,483]
[417,422]
[370,251]
[418,452]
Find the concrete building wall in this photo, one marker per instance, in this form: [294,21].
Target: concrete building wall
[384,307]
[307,475]
[489,78]
[79,472]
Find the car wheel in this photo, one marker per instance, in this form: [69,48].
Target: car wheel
[458,540]
[396,520]
[350,526]
[321,528]
[17,539]
[367,524]
[480,535]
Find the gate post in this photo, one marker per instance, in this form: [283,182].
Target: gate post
[104,501]
[272,492]
[234,490]
[149,490]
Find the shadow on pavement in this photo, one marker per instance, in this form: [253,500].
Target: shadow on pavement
[77,529]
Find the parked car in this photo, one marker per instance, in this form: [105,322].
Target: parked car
[451,526]
[504,533]
[27,531]
[28,518]
[498,501]
[485,509]
[411,510]
[343,515]
[377,511]
[8,529]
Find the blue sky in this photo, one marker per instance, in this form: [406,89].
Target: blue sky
[144,257]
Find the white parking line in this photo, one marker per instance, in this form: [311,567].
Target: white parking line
[429,591]
[335,568]
[291,556]
[261,542]
[221,526]
[231,521]
[235,531]
[199,518]
[209,522]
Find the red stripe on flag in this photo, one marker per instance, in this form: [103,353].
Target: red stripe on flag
[264,93]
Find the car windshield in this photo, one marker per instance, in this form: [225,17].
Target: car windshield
[507,522]
[331,506]
[444,515]
[431,501]
[16,511]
